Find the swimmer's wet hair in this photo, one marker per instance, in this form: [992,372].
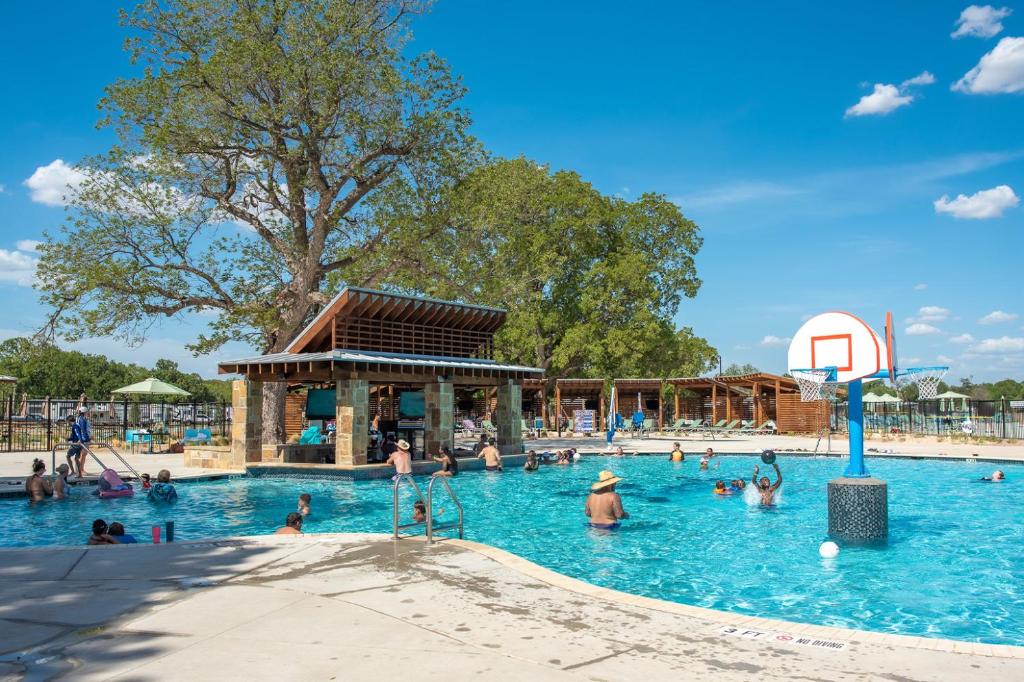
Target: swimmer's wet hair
[38,465]
[99,527]
[294,520]
[305,498]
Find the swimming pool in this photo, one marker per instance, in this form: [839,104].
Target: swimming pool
[953,566]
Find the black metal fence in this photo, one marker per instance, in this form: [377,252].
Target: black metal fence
[39,424]
[999,419]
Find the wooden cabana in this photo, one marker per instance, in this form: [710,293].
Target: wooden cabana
[372,343]
[754,397]
[579,394]
[649,392]
[535,399]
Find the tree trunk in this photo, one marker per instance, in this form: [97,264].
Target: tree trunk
[273,412]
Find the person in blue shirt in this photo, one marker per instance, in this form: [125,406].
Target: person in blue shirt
[81,432]
[162,490]
[116,531]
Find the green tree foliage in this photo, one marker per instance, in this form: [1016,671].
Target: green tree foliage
[45,370]
[737,369]
[591,282]
[253,154]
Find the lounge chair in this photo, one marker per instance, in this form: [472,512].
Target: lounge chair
[647,428]
[726,430]
[487,427]
[467,428]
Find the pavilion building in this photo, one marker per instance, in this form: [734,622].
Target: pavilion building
[406,359]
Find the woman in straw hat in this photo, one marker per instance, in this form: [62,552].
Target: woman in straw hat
[604,506]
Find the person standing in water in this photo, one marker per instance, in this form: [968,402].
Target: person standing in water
[765,487]
[677,454]
[491,457]
[36,486]
[604,505]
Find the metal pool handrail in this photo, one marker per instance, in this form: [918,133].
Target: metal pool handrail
[394,521]
[85,446]
[430,509]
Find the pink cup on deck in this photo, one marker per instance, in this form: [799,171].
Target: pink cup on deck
[156,535]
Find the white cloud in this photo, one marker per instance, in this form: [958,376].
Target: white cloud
[920,287]
[775,340]
[736,193]
[999,71]
[998,317]
[17,268]
[962,338]
[884,99]
[887,97]
[944,359]
[54,183]
[921,329]
[30,245]
[932,313]
[1004,344]
[923,78]
[988,203]
[980,21]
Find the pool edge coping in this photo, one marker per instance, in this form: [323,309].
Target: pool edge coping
[535,571]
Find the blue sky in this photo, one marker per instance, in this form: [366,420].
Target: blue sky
[751,118]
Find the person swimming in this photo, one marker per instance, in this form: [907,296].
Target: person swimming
[677,454]
[720,488]
[765,487]
[737,485]
[996,476]
[531,461]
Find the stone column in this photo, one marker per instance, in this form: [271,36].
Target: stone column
[247,420]
[353,407]
[508,418]
[439,422]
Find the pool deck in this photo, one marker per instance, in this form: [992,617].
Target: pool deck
[362,607]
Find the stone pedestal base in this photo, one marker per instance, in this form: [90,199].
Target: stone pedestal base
[858,509]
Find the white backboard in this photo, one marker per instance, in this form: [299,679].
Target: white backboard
[840,340]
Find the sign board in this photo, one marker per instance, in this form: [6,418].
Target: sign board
[785,638]
[1017,404]
[583,421]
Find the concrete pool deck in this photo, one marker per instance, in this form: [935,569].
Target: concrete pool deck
[362,607]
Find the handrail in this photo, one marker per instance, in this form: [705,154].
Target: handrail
[85,446]
[394,522]
[430,508]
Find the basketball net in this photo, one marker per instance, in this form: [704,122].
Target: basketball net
[814,384]
[926,378]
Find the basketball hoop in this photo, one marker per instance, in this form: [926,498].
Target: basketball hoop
[926,378]
[816,384]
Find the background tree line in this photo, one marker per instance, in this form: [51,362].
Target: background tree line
[45,370]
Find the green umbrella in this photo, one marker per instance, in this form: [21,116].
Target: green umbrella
[152,386]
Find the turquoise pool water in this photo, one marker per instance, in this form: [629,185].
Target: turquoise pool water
[953,567]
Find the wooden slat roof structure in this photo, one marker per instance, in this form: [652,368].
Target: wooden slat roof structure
[735,380]
[633,384]
[281,366]
[392,307]
[580,385]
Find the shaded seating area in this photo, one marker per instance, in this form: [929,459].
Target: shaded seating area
[735,405]
[410,354]
[640,395]
[572,395]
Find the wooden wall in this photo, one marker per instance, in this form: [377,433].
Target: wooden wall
[294,414]
[800,417]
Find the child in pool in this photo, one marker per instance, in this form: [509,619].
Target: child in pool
[304,500]
[720,488]
[419,511]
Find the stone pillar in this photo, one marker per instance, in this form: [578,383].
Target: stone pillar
[439,422]
[858,509]
[247,420]
[508,419]
[352,410]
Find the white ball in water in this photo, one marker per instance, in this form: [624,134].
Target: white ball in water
[829,550]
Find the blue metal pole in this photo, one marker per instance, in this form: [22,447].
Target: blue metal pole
[855,427]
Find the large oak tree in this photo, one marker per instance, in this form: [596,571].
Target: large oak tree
[256,146]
